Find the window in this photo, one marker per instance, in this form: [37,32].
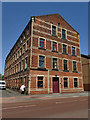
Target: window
[65,64]
[24,48]
[26,62]
[64,49]
[41,61]
[58,24]
[20,66]
[65,82]
[27,44]
[54,46]
[74,66]
[17,67]
[42,43]
[54,63]
[73,50]
[53,30]
[24,35]
[18,54]
[40,82]
[14,58]
[63,34]
[21,51]
[75,82]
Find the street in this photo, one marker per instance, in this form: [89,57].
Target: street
[50,106]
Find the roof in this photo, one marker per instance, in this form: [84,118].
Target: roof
[85,56]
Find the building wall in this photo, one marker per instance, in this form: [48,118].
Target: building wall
[42,29]
[14,75]
[85,71]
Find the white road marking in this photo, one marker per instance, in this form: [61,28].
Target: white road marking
[70,101]
[18,107]
[75,96]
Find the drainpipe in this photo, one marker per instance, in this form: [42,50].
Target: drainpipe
[81,64]
[48,81]
[32,20]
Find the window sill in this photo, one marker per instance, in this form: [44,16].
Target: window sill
[40,88]
[75,71]
[41,48]
[64,38]
[55,69]
[65,70]
[39,68]
[74,55]
[23,53]
[65,53]
[54,51]
[65,87]
[55,36]
[25,69]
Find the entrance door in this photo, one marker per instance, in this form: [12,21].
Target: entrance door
[55,85]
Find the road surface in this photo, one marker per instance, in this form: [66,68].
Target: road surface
[73,107]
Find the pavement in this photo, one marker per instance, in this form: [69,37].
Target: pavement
[10,96]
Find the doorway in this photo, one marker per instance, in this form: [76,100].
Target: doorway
[55,84]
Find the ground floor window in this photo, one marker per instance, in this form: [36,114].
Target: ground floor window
[65,82]
[40,82]
[75,82]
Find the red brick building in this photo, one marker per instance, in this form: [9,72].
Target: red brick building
[46,57]
[85,71]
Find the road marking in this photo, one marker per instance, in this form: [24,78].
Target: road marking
[18,107]
[70,101]
[75,96]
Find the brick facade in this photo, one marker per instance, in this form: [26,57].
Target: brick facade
[49,65]
[85,71]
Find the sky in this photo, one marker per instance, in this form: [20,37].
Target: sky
[15,16]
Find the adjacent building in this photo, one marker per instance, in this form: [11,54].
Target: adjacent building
[85,71]
[46,57]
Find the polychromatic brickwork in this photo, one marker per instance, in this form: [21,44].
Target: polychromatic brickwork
[40,27]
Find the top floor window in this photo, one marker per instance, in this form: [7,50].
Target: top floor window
[63,34]
[42,43]
[58,24]
[53,30]
[54,46]
[73,50]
